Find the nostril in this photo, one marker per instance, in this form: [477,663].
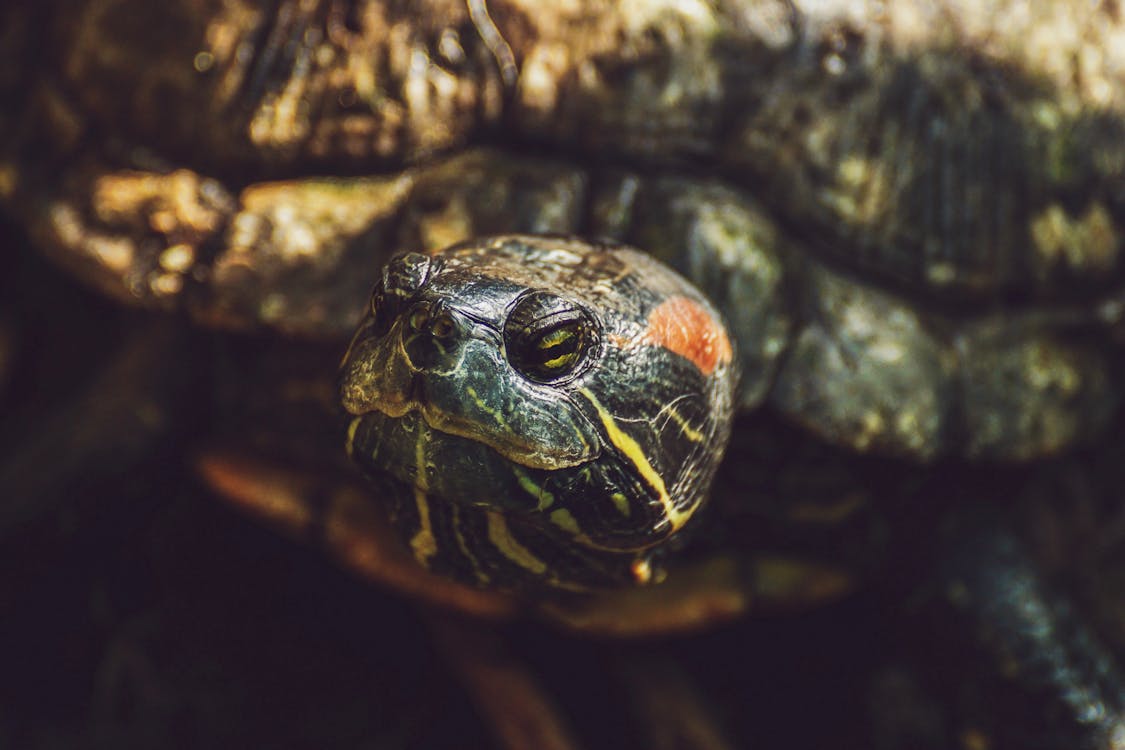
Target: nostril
[419,317]
[442,326]
[426,318]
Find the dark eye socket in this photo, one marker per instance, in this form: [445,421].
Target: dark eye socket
[549,338]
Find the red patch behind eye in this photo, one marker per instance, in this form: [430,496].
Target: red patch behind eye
[685,327]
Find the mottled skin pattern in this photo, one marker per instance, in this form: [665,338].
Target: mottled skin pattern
[910,213]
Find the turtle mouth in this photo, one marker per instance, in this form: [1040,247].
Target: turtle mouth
[481,401]
[395,403]
[415,406]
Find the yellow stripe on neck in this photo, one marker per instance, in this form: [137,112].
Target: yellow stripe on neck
[632,451]
[423,544]
[501,537]
[455,522]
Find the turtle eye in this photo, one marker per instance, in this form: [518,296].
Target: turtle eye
[548,338]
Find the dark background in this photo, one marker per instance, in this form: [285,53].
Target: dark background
[137,610]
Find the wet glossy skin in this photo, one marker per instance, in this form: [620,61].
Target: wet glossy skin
[547,412]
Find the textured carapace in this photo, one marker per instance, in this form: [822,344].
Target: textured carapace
[539,409]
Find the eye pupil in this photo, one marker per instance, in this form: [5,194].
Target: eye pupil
[559,348]
[561,361]
[550,353]
[559,337]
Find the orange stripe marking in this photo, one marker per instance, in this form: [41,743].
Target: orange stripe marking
[682,325]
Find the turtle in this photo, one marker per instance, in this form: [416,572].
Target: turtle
[905,221]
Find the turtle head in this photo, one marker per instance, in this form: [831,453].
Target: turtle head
[542,411]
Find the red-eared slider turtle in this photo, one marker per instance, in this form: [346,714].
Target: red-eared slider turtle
[909,215]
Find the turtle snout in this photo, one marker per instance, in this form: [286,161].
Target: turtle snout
[431,338]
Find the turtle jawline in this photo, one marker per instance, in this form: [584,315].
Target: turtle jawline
[450,427]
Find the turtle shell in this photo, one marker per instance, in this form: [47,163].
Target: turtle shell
[910,216]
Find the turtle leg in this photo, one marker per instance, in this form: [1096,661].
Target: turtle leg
[1051,682]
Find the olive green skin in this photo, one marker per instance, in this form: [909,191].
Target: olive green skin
[508,473]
